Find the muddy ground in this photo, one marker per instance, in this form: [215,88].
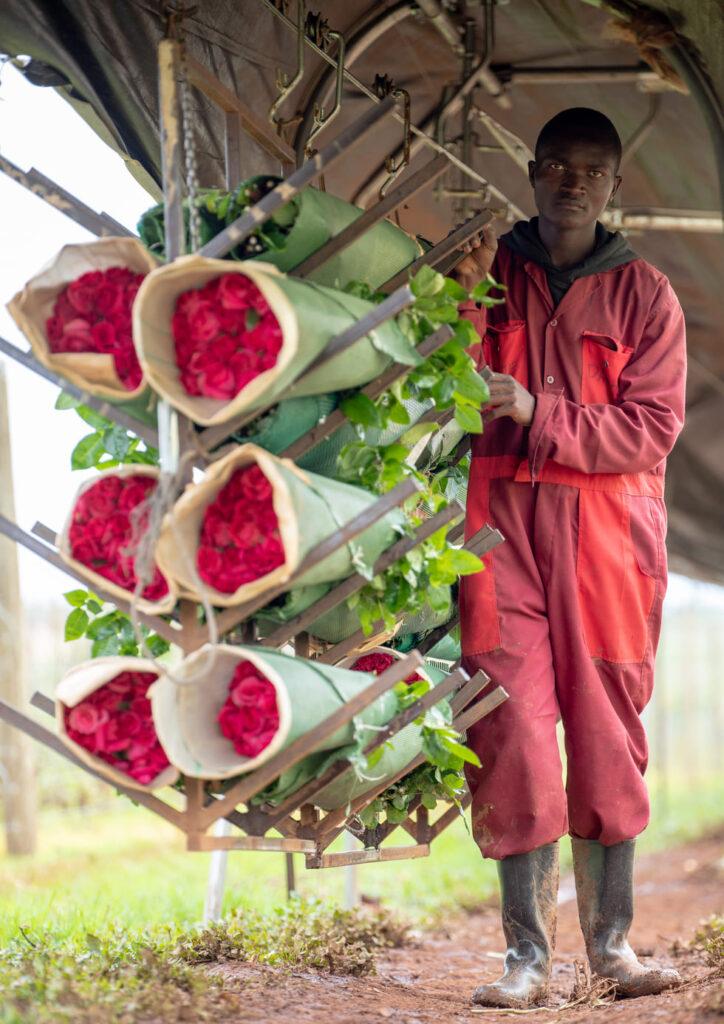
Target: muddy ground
[430,982]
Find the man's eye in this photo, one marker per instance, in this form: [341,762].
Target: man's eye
[596,174]
[556,166]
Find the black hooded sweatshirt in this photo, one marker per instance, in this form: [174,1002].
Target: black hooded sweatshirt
[610,250]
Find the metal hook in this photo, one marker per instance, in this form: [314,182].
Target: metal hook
[284,86]
[395,170]
[320,121]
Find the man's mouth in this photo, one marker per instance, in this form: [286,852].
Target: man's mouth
[569,204]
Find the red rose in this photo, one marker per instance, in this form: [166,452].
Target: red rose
[235,291]
[85,718]
[218,381]
[377,663]
[249,716]
[93,314]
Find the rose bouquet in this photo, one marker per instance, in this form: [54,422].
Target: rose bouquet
[103,713]
[103,530]
[76,314]
[295,231]
[249,705]
[216,347]
[250,522]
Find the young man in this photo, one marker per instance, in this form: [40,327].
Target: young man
[587,398]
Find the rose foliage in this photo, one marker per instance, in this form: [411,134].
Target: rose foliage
[115,724]
[93,314]
[249,716]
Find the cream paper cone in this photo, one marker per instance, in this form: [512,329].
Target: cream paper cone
[308,508]
[94,578]
[79,683]
[94,372]
[186,716]
[309,316]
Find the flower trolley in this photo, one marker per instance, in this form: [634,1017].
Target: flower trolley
[95,705]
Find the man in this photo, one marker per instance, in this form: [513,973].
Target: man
[587,398]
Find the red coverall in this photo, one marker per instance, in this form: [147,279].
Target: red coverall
[566,615]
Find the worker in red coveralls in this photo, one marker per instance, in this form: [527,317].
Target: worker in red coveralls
[588,366]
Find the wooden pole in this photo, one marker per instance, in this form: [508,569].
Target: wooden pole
[16,755]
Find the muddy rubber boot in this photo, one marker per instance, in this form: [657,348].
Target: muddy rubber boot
[529,896]
[604,887]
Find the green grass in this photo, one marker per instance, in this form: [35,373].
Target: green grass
[124,867]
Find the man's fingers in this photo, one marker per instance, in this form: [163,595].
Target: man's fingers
[507,409]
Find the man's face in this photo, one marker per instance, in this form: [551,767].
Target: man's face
[573,181]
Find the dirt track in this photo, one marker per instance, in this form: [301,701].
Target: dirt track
[431,983]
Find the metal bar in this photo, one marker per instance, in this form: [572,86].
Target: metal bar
[484,541]
[394,726]
[450,815]
[444,248]
[334,654]
[100,224]
[438,633]
[336,419]
[632,220]
[354,583]
[371,216]
[16,533]
[103,408]
[464,721]
[250,786]
[390,307]
[16,718]
[610,73]
[366,518]
[467,693]
[256,215]
[336,860]
[197,842]
[262,133]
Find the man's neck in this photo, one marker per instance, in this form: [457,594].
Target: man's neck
[567,248]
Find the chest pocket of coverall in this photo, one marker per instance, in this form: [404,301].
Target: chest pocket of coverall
[602,361]
[620,536]
[505,349]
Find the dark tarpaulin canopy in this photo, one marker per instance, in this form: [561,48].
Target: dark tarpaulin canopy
[102,57]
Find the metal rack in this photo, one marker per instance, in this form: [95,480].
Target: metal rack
[298,825]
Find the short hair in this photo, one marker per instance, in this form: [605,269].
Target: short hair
[581,124]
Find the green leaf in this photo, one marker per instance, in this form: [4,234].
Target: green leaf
[416,433]
[429,800]
[66,401]
[426,282]
[157,645]
[93,606]
[76,598]
[472,386]
[118,442]
[75,624]
[361,409]
[87,452]
[462,562]
[395,343]
[464,753]
[106,646]
[92,418]
[469,419]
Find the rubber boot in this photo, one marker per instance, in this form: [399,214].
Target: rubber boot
[529,895]
[604,886]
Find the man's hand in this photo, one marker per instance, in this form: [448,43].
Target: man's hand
[480,252]
[508,398]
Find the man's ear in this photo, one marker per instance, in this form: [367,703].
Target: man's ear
[616,185]
[531,173]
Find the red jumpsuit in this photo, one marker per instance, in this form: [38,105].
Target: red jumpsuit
[567,614]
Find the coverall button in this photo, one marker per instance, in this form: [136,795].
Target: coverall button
[553,322]
[550,380]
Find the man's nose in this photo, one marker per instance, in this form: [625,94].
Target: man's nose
[574,181]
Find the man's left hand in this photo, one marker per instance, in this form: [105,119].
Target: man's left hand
[508,398]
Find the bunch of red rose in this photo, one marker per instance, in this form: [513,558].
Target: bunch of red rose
[225,335]
[377,663]
[249,716]
[115,724]
[107,523]
[93,314]
[240,540]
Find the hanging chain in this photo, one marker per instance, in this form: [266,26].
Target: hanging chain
[189,141]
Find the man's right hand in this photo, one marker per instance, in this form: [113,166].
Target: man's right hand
[479,252]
